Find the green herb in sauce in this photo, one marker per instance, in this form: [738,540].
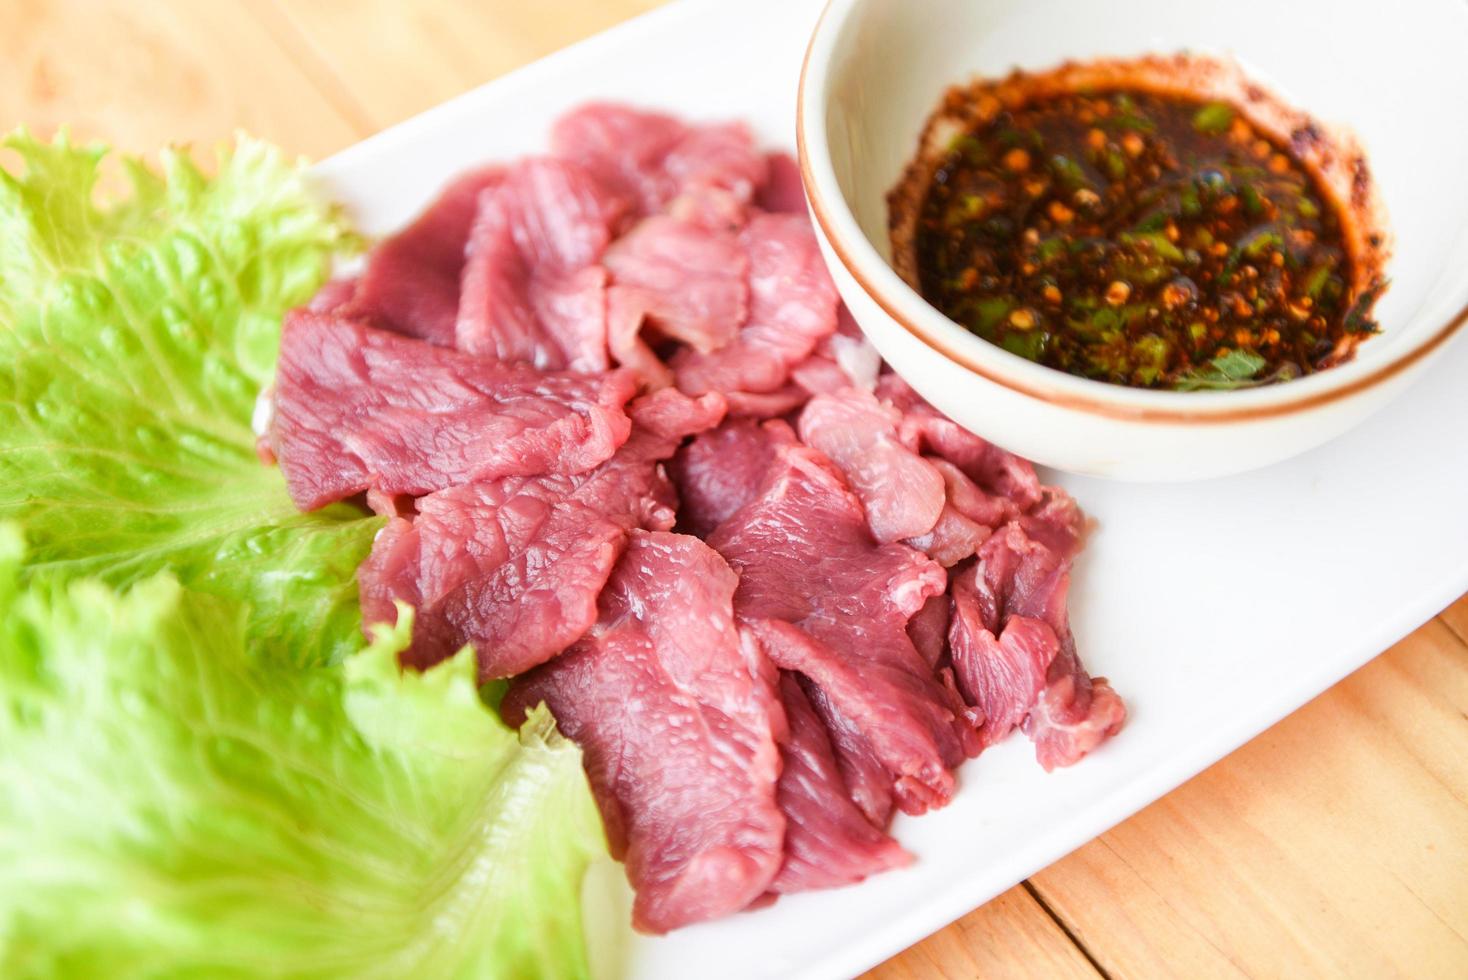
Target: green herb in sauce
[1141,239]
[1213,118]
[1236,369]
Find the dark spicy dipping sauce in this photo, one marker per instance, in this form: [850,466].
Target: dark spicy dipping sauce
[1143,239]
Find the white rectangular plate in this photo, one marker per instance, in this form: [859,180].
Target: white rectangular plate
[1215,608]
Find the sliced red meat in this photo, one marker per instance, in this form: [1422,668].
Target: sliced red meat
[654,159]
[332,295]
[678,281]
[792,306]
[828,602]
[717,170]
[965,496]
[664,418]
[411,283]
[986,484]
[532,291]
[1020,576]
[753,709]
[722,470]
[624,146]
[626,315]
[514,565]
[784,191]
[1014,653]
[985,487]
[508,565]
[968,518]
[388,504]
[356,407]
[695,280]
[1075,712]
[867,778]
[828,840]
[767,404]
[1001,676]
[954,538]
[845,359]
[928,630]
[902,493]
[678,720]
[819,373]
[926,429]
[1056,522]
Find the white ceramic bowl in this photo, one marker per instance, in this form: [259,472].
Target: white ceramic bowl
[1394,77]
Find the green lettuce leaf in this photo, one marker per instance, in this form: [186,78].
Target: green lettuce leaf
[174,807]
[134,339]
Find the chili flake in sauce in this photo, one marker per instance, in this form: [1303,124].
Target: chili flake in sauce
[1142,239]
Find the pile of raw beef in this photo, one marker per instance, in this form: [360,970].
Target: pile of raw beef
[634,452]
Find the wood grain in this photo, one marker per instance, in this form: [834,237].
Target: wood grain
[1456,617]
[1011,936]
[1335,843]
[396,59]
[1332,845]
[142,75]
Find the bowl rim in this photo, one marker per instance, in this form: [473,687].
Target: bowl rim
[849,244]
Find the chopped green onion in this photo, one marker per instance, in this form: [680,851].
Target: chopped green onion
[1049,248]
[1315,282]
[1191,206]
[1130,121]
[1213,118]
[989,310]
[1259,243]
[1069,172]
[1358,317]
[1253,202]
[1027,344]
[971,148]
[1155,221]
[1158,242]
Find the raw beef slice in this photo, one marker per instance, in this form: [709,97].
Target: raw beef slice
[411,283]
[845,359]
[792,306]
[356,408]
[902,493]
[514,565]
[678,719]
[678,281]
[784,191]
[968,517]
[926,429]
[532,289]
[867,778]
[1015,656]
[723,469]
[828,840]
[828,602]
[704,173]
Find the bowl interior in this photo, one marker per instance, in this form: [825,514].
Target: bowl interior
[1397,81]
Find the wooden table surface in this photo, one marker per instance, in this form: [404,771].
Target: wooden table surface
[1334,844]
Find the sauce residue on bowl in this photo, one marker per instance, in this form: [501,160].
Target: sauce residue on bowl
[1145,234]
